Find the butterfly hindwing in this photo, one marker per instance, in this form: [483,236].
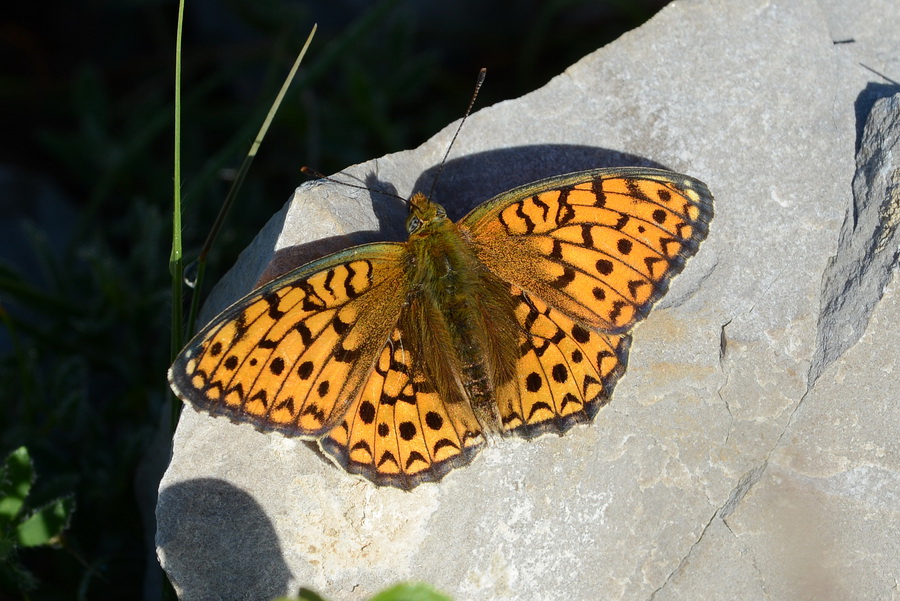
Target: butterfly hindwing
[399,430]
[291,355]
[566,372]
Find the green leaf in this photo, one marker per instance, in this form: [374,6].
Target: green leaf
[16,477]
[46,524]
[306,594]
[407,591]
[410,591]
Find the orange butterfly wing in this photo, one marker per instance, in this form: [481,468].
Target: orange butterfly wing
[292,355]
[587,254]
[399,431]
[317,353]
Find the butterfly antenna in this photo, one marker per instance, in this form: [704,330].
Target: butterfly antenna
[478,82]
[310,172]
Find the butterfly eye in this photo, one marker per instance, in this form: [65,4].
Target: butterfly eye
[412,224]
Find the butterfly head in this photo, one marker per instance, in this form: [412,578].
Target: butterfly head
[422,213]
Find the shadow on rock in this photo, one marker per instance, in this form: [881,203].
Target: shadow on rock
[215,542]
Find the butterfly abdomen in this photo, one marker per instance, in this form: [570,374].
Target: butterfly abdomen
[461,318]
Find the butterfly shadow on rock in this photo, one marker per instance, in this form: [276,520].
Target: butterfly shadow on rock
[470,180]
[462,184]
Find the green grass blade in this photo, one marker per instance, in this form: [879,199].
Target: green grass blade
[239,179]
[176,259]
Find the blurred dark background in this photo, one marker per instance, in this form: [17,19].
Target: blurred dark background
[86,200]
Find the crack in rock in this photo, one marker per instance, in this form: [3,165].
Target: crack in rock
[737,494]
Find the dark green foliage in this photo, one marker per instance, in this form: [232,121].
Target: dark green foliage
[23,525]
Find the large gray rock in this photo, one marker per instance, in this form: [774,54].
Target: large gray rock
[749,452]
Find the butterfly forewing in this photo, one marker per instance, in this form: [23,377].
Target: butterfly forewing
[291,355]
[601,246]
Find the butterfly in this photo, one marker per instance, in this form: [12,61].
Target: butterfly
[403,359]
